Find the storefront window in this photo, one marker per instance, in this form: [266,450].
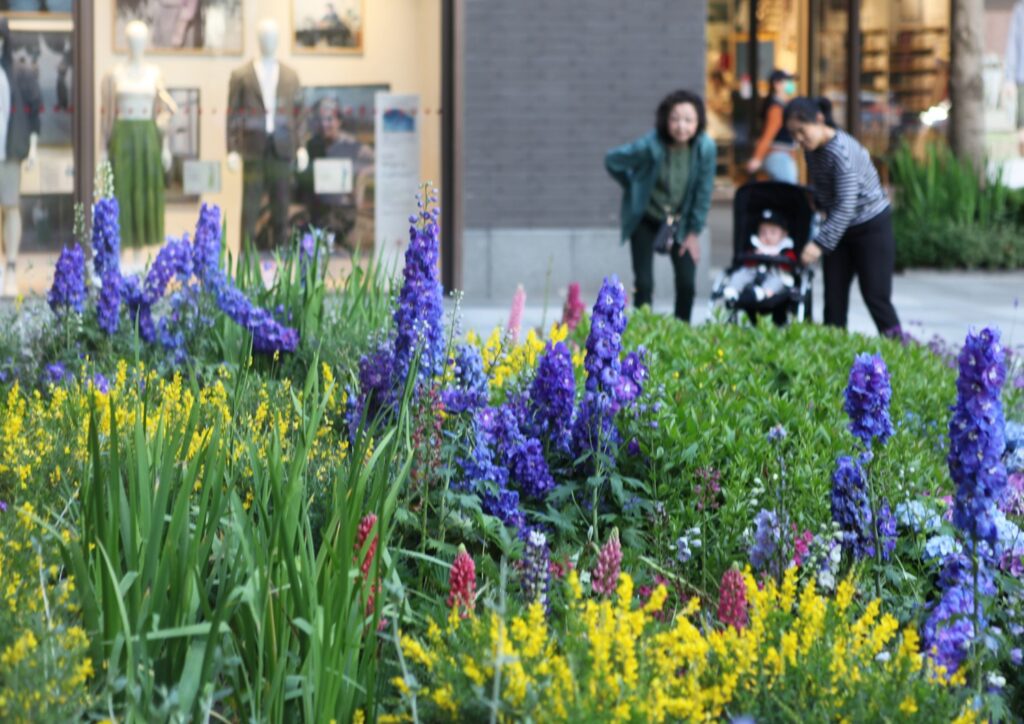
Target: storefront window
[735,98]
[830,31]
[904,78]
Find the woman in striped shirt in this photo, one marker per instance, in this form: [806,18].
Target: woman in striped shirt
[856,237]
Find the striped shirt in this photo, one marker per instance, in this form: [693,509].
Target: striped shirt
[845,185]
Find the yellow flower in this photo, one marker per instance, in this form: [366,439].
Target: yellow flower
[908,705]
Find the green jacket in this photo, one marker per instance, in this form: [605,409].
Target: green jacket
[636,166]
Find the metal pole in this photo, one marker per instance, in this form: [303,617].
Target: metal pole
[82,94]
[452,29]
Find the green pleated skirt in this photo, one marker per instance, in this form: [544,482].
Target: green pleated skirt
[138,181]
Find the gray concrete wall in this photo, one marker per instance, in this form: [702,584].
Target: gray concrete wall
[550,85]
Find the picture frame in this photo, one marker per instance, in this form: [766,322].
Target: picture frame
[36,8]
[183,140]
[199,27]
[328,26]
[41,48]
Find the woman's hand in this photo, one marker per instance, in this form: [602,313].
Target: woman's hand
[810,254]
[691,244]
[753,165]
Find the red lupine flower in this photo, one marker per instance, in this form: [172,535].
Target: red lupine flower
[605,578]
[572,312]
[365,526]
[462,583]
[732,600]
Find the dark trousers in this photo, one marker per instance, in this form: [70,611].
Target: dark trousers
[867,251]
[641,247]
[272,175]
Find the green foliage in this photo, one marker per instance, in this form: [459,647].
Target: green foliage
[947,217]
[726,386]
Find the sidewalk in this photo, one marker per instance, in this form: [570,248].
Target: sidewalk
[930,303]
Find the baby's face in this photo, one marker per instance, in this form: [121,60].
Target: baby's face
[770,234]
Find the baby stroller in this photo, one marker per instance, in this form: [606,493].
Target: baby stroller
[755,202]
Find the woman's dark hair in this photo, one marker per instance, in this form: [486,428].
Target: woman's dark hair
[671,101]
[6,60]
[806,110]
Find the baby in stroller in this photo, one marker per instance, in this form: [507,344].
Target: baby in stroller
[772,221]
[766,277]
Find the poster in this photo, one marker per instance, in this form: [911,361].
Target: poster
[398,172]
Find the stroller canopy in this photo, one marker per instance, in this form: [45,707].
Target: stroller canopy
[793,202]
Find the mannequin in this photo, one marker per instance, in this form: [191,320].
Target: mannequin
[1014,66]
[136,109]
[20,103]
[264,108]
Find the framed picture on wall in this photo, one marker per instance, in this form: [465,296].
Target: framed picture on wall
[336,192]
[183,26]
[41,53]
[328,26]
[36,7]
[183,140]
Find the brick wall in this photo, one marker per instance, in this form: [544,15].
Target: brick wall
[550,85]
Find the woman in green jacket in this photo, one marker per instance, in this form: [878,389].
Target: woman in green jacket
[669,171]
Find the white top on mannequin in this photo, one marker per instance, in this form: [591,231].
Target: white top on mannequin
[136,88]
[268,70]
[5,118]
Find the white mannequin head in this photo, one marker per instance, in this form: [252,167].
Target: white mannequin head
[268,35]
[137,34]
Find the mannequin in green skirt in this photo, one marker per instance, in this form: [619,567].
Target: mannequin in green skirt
[135,101]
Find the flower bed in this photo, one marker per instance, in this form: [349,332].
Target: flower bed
[374,518]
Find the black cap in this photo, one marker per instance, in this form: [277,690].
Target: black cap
[779,74]
[773,217]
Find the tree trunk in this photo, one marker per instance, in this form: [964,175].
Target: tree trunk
[967,119]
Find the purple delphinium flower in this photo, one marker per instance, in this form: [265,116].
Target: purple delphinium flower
[419,316]
[632,375]
[101,383]
[777,433]
[377,393]
[1012,502]
[604,343]
[173,260]
[139,310]
[867,399]
[552,397]
[55,373]
[851,509]
[207,244]
[106,237]
[767,536]
[536,568]
[976,436]
[523,455]
[469,392]
[68,290]
[950,626]
[485,474]
[108,305]
[886,529]
[594,429]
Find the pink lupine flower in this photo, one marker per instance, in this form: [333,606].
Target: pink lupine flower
[605,578]
[515,314]
[802,546]
[732,600]
[367,526]
[462,583]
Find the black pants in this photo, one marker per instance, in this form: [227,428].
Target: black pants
[272,175]
[641,247]
[868,251]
